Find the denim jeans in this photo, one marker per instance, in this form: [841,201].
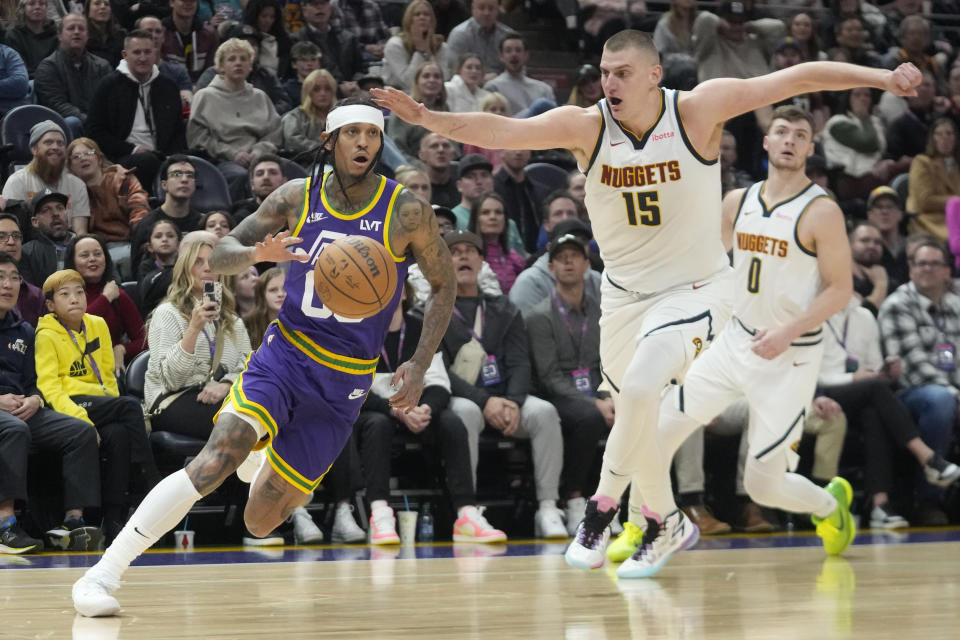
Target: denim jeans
[934,408]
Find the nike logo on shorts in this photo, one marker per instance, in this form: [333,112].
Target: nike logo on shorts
[356,393]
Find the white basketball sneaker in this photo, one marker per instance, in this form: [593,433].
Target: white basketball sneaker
[586,550]
[93,596]
[663,539]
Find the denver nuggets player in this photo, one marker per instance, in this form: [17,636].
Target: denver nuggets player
[653,191]
[791,263]
[302,390]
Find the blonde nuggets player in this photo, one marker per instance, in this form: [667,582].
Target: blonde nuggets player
[653,192]
[791,272]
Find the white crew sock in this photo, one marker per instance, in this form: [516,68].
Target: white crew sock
[160,511]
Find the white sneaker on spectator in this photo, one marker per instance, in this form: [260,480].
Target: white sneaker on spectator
[247,470]
[305,530]
[345,527]
[471,526]
[575,511]
[883,517]
[383,526]
[548,523]
[940,472]
[93,596]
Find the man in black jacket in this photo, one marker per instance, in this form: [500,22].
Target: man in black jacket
[342,55]
[488,356]
[136,115]
[25,425]
[65,79]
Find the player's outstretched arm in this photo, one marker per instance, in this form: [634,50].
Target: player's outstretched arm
[821,229]
[720,99]
[415,226]
[253,240]
[566,127]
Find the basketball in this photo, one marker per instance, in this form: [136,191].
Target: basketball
[355,277]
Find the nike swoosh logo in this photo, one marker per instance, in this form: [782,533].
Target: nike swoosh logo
[142,534]
[697,286]
[613,144]
[799,364]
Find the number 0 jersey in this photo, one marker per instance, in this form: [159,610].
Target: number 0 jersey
[654,203]
[349,345]
[776,277]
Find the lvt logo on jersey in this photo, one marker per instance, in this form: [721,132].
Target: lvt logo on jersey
[640,175]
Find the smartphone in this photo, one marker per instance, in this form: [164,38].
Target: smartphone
[212,292]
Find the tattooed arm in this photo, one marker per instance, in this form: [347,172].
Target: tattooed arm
[253,240]
[415,227]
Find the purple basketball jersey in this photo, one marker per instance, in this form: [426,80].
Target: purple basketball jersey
[344,344]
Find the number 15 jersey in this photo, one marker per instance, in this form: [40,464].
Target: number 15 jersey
[654,203]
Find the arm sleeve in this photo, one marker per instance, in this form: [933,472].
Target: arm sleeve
[48,380]
[437,398]
[861,139]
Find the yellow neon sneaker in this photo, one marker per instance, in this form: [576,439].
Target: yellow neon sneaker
[837,530]
[626,543]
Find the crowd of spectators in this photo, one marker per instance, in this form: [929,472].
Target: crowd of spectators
[159,100]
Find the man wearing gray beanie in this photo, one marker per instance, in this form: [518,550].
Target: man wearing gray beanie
[47,170]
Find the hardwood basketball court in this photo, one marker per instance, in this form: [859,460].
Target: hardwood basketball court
[777,586]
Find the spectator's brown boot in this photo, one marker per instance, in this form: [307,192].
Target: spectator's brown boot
[751,519]
[708,525]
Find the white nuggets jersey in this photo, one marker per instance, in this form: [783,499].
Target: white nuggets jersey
[654,203]
[775,276]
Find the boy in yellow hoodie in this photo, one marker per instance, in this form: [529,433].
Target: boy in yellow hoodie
[75,365]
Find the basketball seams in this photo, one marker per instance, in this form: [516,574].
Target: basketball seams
[334,285]
[360,255]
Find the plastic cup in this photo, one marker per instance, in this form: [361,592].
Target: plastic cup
[408,526]
[183,540]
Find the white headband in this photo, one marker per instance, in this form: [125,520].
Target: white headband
[352,114]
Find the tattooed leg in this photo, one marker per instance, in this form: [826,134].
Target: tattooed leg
[272,500]
[228,446]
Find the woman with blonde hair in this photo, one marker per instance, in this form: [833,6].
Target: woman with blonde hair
[674,30]
[416,180]
[302,126]
[268,297]
[117,199]
[198,345]
[417,43]
[428,90]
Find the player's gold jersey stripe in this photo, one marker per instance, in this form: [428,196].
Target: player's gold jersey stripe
[306,208]
[350,216]
[327,358]
[386,223]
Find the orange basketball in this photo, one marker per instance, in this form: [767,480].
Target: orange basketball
[355,277]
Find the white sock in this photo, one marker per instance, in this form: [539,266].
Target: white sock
[378,504]
[160,511]
[548,504]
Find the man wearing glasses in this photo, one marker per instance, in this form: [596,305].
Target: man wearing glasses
[30,300]
[179,184]
[920,323]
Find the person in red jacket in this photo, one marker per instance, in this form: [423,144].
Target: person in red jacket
[89,256]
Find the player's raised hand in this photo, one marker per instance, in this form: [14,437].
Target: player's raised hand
[408,380]
[402,105]
[274,248]
[904,80]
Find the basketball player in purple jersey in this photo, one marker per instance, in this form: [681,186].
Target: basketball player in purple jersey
[303,388]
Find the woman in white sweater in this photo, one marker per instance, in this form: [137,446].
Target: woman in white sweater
[464,90]
[417,42]
[183,335]
[230,120]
